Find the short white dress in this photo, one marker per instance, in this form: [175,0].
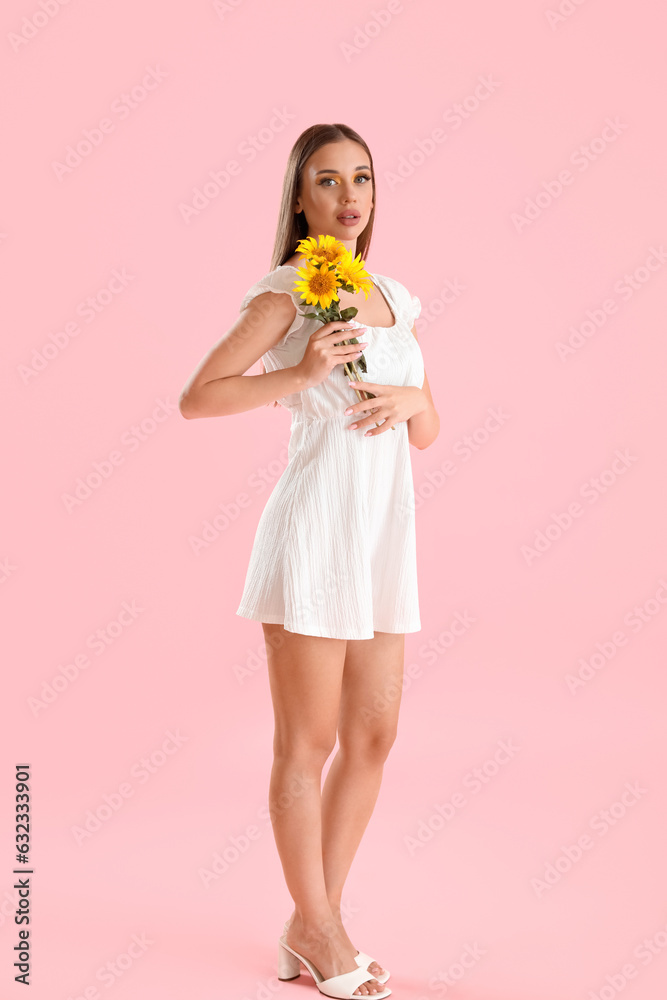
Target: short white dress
[335,548]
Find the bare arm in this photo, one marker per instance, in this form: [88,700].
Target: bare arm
[424,427]
[218,386]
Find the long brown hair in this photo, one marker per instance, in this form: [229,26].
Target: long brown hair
[292,227]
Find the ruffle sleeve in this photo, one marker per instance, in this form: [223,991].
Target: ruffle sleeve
[415,309]
[409,305]
[277,281]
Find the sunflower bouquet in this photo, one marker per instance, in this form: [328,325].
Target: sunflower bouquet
[328,266]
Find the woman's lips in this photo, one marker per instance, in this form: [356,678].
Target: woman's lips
[349,222]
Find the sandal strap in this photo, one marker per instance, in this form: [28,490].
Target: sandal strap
[363,959]
[344,985]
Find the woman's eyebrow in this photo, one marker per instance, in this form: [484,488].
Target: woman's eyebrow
[363,167]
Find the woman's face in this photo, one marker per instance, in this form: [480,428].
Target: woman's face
[337,181]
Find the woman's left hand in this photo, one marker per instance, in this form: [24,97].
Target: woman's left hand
[391,403]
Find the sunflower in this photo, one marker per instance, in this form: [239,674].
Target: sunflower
[328,251]
[351,272]
[317,285]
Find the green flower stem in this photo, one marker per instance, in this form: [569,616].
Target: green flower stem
[358,378]
[323,317]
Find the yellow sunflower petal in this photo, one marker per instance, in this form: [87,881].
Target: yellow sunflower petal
[327,249]
[317,285]
[352,272]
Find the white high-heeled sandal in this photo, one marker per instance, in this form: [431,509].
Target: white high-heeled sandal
[339,987]
[363,961]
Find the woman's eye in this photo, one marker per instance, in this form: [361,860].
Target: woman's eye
[364,177]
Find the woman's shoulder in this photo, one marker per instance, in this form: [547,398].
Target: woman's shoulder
[280,279]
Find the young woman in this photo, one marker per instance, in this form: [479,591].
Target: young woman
[332,573]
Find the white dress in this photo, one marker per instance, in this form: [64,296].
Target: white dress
[335,549]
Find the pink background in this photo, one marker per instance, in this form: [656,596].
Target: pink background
[592,258]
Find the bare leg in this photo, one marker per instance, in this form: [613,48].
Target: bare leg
[370,700]
[305,675]
[367,730]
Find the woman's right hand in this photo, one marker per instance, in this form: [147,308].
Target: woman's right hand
[321,355]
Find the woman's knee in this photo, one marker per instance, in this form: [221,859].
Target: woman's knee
[306,753]
[368,745]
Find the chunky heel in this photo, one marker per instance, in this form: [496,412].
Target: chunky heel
[363,961]
[340,987]
[289,966]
